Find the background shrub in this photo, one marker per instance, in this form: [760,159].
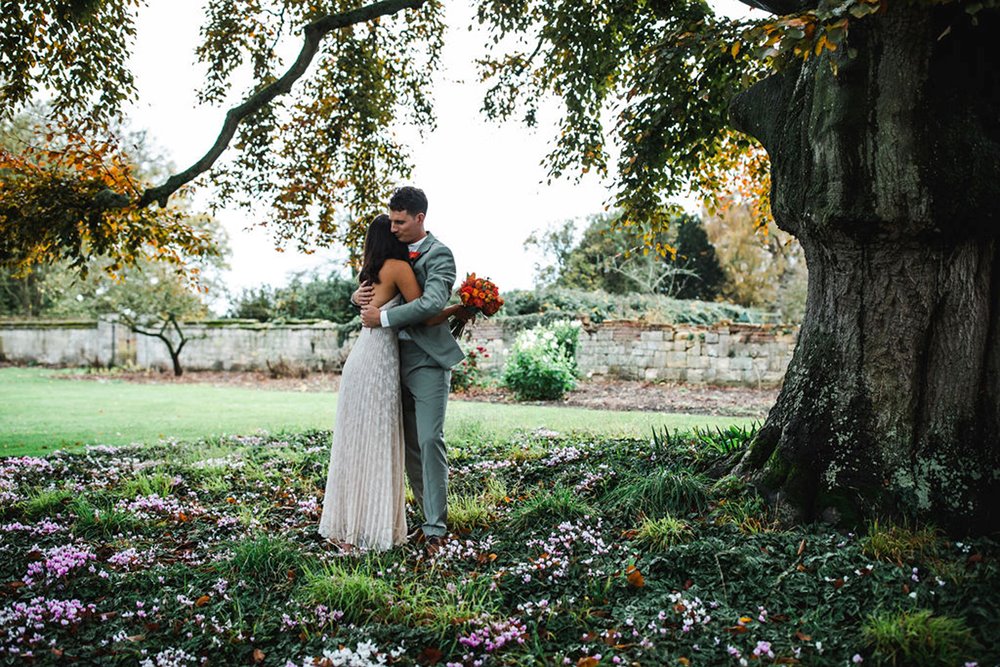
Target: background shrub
[542,362]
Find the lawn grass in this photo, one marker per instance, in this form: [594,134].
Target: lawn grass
[40,412]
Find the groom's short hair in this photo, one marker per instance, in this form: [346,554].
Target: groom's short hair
[409,199]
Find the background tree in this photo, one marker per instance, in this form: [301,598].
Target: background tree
[307,155]
[764,266]
[882,123]
[308,295]
[611,259]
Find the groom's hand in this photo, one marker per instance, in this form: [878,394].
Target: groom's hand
[371,317]
[466,315]
[363,295]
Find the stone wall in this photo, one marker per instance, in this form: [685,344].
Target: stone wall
[750,355]
[224,345]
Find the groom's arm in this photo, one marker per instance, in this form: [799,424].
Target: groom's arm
[437,291]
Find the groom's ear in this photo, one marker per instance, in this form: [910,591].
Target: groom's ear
[420,218]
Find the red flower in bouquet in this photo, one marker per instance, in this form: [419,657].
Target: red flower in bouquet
[479,294]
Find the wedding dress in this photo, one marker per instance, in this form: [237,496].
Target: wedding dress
[364,503]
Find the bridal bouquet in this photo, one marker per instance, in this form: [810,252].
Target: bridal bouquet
[476,294]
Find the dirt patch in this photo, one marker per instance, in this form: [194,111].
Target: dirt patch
[651,397]
[593,394]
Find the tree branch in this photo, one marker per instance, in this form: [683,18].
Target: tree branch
[312,34]
[781,6]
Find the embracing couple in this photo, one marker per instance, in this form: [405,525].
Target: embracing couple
[394,388]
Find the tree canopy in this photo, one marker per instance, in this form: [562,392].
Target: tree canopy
[315,159]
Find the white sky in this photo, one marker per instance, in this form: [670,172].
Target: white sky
[462,166]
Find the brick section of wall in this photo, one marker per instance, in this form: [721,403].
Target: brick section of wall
[753,355]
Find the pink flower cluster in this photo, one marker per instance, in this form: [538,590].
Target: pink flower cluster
[563,455]
[23,623]
[58,562]
[15,469]
[151,506]
[130,559]
[491,637]
[43,527]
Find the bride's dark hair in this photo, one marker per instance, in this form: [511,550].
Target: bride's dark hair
[380,244]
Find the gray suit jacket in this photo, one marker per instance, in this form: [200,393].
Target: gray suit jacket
[435,271]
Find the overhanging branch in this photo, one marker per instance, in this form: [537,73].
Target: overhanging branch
[312,35]
[781,6]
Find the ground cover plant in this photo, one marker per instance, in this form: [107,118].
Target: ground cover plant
[576,551]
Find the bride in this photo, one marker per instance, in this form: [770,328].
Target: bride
[364,503]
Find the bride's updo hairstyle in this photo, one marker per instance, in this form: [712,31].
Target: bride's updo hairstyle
[380,244]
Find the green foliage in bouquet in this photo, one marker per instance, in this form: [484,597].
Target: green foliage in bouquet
[542,364]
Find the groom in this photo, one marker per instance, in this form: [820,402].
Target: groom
[426,355]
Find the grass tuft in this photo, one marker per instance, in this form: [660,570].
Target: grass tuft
[918,638]
[546,509]
[95,518]
[266,558]
[663,533]
[662,491]
[44,502]
[896,543]
[468,512]
[360,596]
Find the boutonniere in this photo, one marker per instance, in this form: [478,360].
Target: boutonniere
[413,255]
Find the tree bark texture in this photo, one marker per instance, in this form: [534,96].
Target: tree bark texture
[888,172]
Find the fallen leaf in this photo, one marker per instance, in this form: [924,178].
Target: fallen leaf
[430,656]
[684,661]
[786,660]
[738,629]
[588,661]
[802,547]
[838,583]
[688,583]
[802,637]
[634,576]
[258,655]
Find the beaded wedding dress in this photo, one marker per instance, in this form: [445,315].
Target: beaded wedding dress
[364,503]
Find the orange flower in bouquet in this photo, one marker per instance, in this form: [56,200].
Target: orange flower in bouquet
[479,294]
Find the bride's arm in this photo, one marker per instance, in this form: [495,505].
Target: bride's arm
[406,282]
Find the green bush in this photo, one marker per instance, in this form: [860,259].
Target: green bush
[542,363]
[525,309]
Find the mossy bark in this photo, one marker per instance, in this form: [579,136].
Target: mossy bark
[887,169]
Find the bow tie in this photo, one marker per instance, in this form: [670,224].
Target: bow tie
[413,255]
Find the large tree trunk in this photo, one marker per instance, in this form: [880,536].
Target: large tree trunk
[888,172]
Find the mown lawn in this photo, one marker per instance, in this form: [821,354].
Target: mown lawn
[40,412]
[583,551]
